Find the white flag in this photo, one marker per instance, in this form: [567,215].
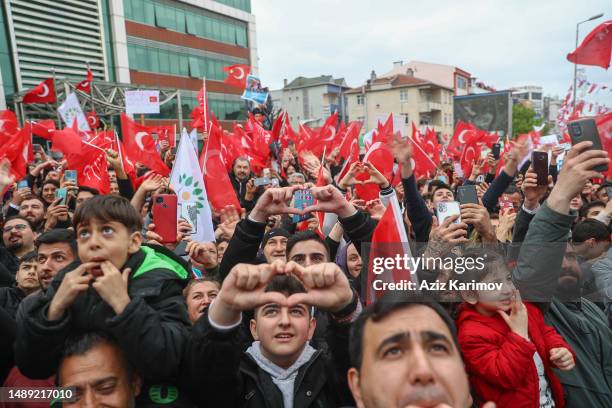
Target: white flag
[188,183]
[71,109]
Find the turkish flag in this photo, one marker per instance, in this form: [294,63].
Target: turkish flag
[604,128]
[380,156]
[237,75]
[42,93]
[85,85]
[422,164]
[462,130]
[93,120]
[431,145]
[388,240]
[18,151]
[67,141]
[218,185]
[165,133]
[91,167]
[140,146]
[596,48]
[351,154]
[8,124]
[44,128]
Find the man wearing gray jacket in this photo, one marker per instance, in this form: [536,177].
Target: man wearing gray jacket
[548,273]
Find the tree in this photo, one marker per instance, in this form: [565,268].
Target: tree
[524,119]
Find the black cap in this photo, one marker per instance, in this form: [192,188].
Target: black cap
[275,232]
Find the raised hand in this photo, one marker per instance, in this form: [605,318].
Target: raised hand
[402,151]
[326,286]
[442,238]
[576,171]
[330,199]
[6,179]
[349,178]
[376,176]
[275,201]
[532,191]
[229,220]
[478,216]
[244,289]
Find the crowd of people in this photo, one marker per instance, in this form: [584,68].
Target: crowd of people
[274,312]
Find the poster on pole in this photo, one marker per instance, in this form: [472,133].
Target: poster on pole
[71,110]
[254,91]
[141,102]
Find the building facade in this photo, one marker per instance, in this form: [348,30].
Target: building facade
[408,98]
[311,100]
[530,95]
[149,43]
[447,76]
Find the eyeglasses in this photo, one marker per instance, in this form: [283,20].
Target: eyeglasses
[18,227]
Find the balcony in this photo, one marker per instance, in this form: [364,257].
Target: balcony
[429,106]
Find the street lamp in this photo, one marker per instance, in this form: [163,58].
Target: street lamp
[595,17]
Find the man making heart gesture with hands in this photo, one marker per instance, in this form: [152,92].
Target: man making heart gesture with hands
[280,295]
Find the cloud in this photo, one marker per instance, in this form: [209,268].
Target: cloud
[502,43]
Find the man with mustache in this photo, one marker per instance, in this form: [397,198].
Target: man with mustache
[18,239]
[548,272]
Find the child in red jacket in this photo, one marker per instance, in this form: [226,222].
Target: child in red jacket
[509,351]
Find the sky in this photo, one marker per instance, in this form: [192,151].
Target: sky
[502,43]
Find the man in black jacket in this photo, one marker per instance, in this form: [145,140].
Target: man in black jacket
[132,291]
[26,282]
[280,369]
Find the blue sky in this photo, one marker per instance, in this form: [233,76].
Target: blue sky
[503,43]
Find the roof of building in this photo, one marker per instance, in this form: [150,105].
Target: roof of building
[400,69]
[303,82]
[396,81]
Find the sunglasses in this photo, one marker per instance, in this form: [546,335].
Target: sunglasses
[18,227]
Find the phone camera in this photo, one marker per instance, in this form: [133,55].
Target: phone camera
[159,200]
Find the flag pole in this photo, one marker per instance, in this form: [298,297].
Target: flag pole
[93,145]
[119,149]
[205,105]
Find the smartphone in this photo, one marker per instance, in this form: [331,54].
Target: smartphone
[37,148]
[61,193]
[275,182]
[505,203]
[22,184]
[609,192]
[586,129]
[458,169]
[56,155]
[539,162]
[467,194]
[302,199]
[70,175]
[447,209]
[443,179]
[495,150]
[164,210]
[262,181]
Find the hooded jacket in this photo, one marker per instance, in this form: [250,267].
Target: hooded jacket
[152,330]
[500,363]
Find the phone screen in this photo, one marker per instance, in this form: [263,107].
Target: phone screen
[61,193]
[302,199]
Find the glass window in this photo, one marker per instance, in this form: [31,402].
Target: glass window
[404,95]
[141,57]
[131,57]
[149,12]
[194,68]
[192,24]
[153,60]
[180,20]
[536,96]
[175,60]
[184,66]
[127,9]
[216,30]
[241,37]
[164,61]
[210,67]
